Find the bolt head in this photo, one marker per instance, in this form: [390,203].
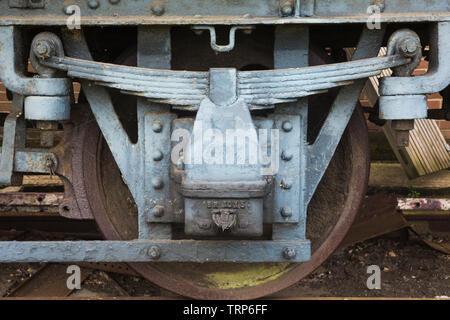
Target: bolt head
[42,49]
[158,8]
[154,253]
[286,155]
[180,164]
[67,10]
[157,126]
[157,211]
[49,162]
[157,155]
[289,253]
[286,212]
[93,4]
[287,9]
[409,47]
[286,126]
[285,184]
[157,183]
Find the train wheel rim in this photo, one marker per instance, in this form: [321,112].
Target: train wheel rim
[109,206]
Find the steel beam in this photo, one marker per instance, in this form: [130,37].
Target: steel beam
[156,250]
[186,12]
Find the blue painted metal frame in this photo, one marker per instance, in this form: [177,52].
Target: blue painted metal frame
[146,165]
[155,250]
[188,12]
[404,97]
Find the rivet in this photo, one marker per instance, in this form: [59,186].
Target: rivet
[154,253]
[157,183]
[286,212]
[157,211]
[157,126]
[286,155]
[158,8]
[93,4]
[285,184]
[114,1]
[67,10]
[289,253]
[287,126]
[287,9]
[157,155]
[180,164]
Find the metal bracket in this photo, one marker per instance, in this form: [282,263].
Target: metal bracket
[11,71]
[438,76]
[321,152]
[232,36]
[404,97]
[13,123]
[158,203]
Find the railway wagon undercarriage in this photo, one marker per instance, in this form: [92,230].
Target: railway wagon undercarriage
[219,145]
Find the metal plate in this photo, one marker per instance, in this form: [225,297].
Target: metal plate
[161,251]
[224,12]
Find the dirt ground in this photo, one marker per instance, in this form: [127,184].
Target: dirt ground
[409,268]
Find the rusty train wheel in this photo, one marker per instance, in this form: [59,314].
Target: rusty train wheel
[330,215]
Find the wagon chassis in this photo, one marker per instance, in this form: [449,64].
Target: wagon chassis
[201,196]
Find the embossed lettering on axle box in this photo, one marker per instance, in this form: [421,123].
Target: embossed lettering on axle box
[208,217]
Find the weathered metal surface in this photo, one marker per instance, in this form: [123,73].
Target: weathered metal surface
[107,198]
[158,205]
[35,161]
[13,124]
[329,136]
[212,34]
[49,281]
[288,199]
[117,267]
[156,56]
[410,106]
[378,215]
[47,108]
[114,133]
[220,282]
[227,12]
[291,50]
[438,76]
[212,183]
[255,87]
[30,202]
[153,250]
[12,69]
[260,90]
[26,4]
[423,204]
[403,107]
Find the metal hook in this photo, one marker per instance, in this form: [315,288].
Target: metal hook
[212,32]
